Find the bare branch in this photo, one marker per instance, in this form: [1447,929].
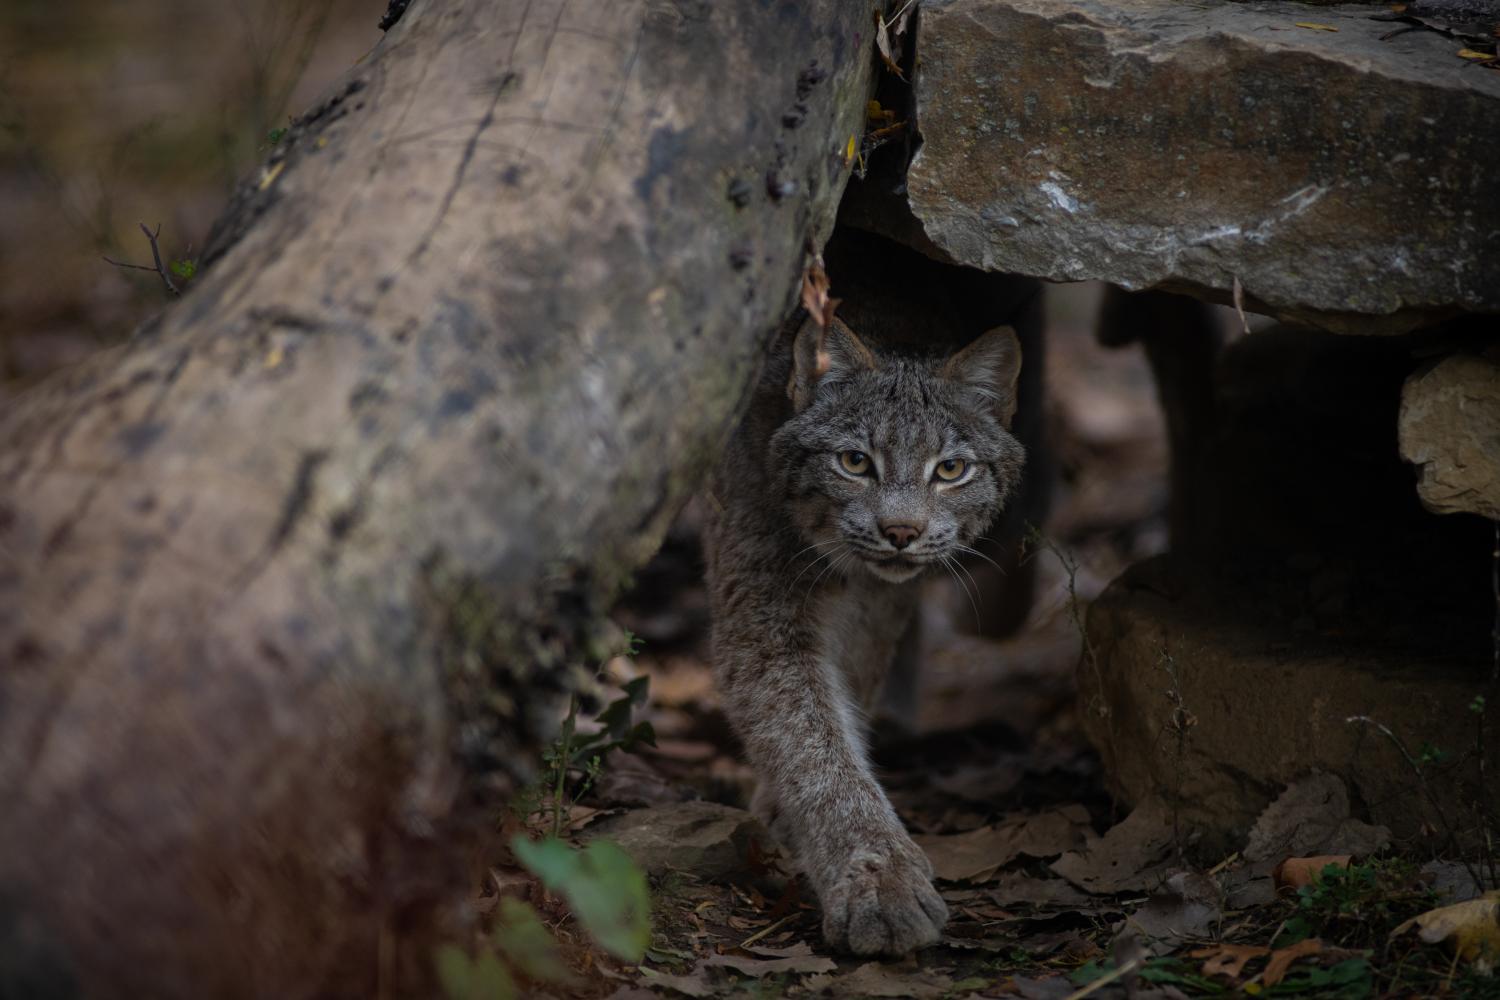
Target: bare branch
[155,255]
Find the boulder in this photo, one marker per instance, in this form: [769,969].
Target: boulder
[1450,429]
[1210,695]
[703,839]
[1345,179]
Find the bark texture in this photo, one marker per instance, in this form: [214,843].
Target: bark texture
[288,583]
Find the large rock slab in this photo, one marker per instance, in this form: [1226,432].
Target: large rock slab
[1344,180]
[1450,429]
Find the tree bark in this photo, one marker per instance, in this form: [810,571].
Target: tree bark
[289,583]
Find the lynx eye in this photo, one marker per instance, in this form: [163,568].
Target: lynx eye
[856,463]
[950,469]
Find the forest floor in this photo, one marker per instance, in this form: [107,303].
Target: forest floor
[1053,891]
[1051,894]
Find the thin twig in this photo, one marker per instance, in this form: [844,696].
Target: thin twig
[1106,979]
[1495,588]
[1485,830]
[1426,790]
[766,930]
[155,255]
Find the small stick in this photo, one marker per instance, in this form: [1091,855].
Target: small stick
[155,255]
[1495,587]
[1437,809]
[1105,979]
[766,930]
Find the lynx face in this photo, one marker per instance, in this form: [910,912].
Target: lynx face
[892,463]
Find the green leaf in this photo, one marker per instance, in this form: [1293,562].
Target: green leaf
[604,888]
[275,135]
[1088,972]
[616,716]
[184,269]
[463,978]
[1296,929]
[1349,980]
[526,943]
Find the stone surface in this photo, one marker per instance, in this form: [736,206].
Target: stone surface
[1344,180]
[703,839]
[1450,429]
[1268,704]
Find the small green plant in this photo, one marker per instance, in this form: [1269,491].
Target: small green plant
[573,762]
[276,135]
[1351,979]
[1163,970]
[1430,754]
[184,269]
[1357,906]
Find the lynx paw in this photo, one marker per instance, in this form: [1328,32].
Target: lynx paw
[883,902]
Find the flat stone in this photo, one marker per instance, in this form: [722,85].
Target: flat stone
[703,839]
[1344,180]
[1450,429]
[1266,705]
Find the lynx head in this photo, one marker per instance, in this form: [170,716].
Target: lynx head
[893,463]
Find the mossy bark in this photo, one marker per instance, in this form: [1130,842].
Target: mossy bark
[289,582]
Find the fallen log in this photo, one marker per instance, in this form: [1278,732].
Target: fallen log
[290,583]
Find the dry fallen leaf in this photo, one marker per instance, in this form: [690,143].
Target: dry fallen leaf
[874,979]
[1294,873]
[1472,928]
[1228,959]
[1483,57]
[1315,26]
[815,297]
[1186,907]
[1239,304]
[1310,817]
[695,985]
[1133,855]
[757,967]
[1282,958]
[888,53]
[977,855]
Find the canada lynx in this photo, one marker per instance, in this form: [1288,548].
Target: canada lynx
[861,463]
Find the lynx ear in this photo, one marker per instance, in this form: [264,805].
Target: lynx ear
[819,356]
[990,366]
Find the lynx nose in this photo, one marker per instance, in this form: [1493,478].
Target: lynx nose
[900,535]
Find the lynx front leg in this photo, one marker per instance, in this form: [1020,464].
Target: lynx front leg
[787,699]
